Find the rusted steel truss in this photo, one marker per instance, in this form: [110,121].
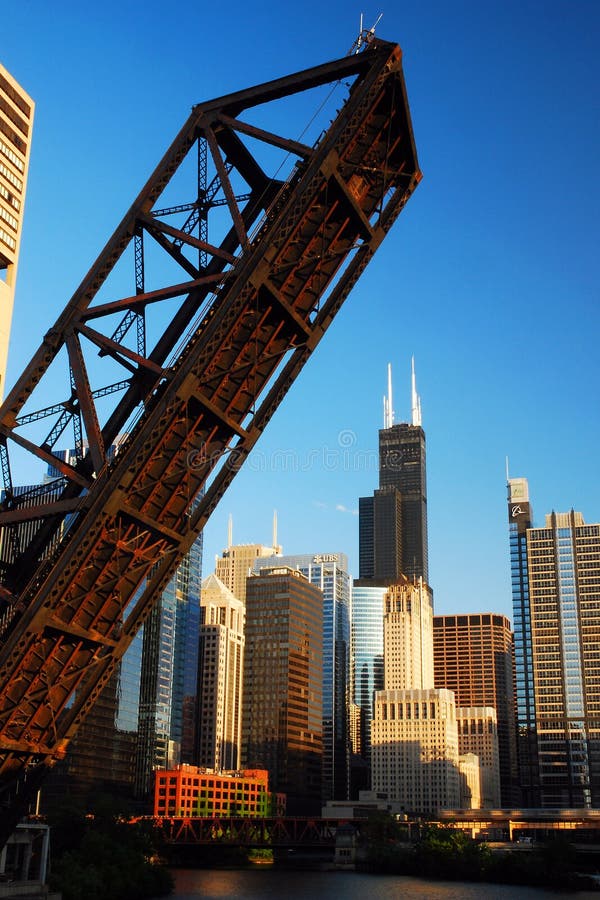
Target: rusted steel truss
[252,832]
[240,314]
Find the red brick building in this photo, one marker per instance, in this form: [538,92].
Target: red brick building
[189,791]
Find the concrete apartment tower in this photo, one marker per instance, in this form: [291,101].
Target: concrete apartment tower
[16,121]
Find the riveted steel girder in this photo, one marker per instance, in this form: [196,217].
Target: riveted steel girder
[251,308]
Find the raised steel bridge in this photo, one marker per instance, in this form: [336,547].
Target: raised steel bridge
[178,347]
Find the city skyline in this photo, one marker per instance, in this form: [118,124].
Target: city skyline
[475,280]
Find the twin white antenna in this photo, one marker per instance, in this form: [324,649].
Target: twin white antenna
[415,400]
[388,409]
[364,36]
[230,530]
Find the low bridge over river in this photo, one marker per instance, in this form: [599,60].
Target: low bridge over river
[272,832]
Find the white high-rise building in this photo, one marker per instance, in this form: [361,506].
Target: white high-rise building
[408,636]
[221,674]
[414,734]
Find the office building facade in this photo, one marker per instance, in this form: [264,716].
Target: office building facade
[473,656]
[103,754]
[414,755]
[15,537]
[16,123]
[414,749]
[384,558]
[557,650]
[407,636]
[282,719]
[329,572]
[220,677]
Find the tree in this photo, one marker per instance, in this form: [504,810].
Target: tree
[109,858]
[450,853]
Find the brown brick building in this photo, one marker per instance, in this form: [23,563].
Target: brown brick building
[473,656]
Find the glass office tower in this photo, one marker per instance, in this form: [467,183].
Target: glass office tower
[519,519]
[366,654]
[556,591]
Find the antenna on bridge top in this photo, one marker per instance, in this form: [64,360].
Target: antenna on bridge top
[365,36]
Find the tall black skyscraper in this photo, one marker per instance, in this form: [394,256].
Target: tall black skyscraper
[393,522]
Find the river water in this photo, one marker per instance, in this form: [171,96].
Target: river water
[262,884]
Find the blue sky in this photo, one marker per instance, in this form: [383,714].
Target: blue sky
[489,277]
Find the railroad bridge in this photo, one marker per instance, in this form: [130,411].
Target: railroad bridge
[178,346]
[275,832]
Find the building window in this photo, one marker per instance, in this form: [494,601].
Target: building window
[12,156]
[8,240]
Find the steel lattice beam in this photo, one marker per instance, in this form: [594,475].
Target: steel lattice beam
[270,831]
[251,308]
